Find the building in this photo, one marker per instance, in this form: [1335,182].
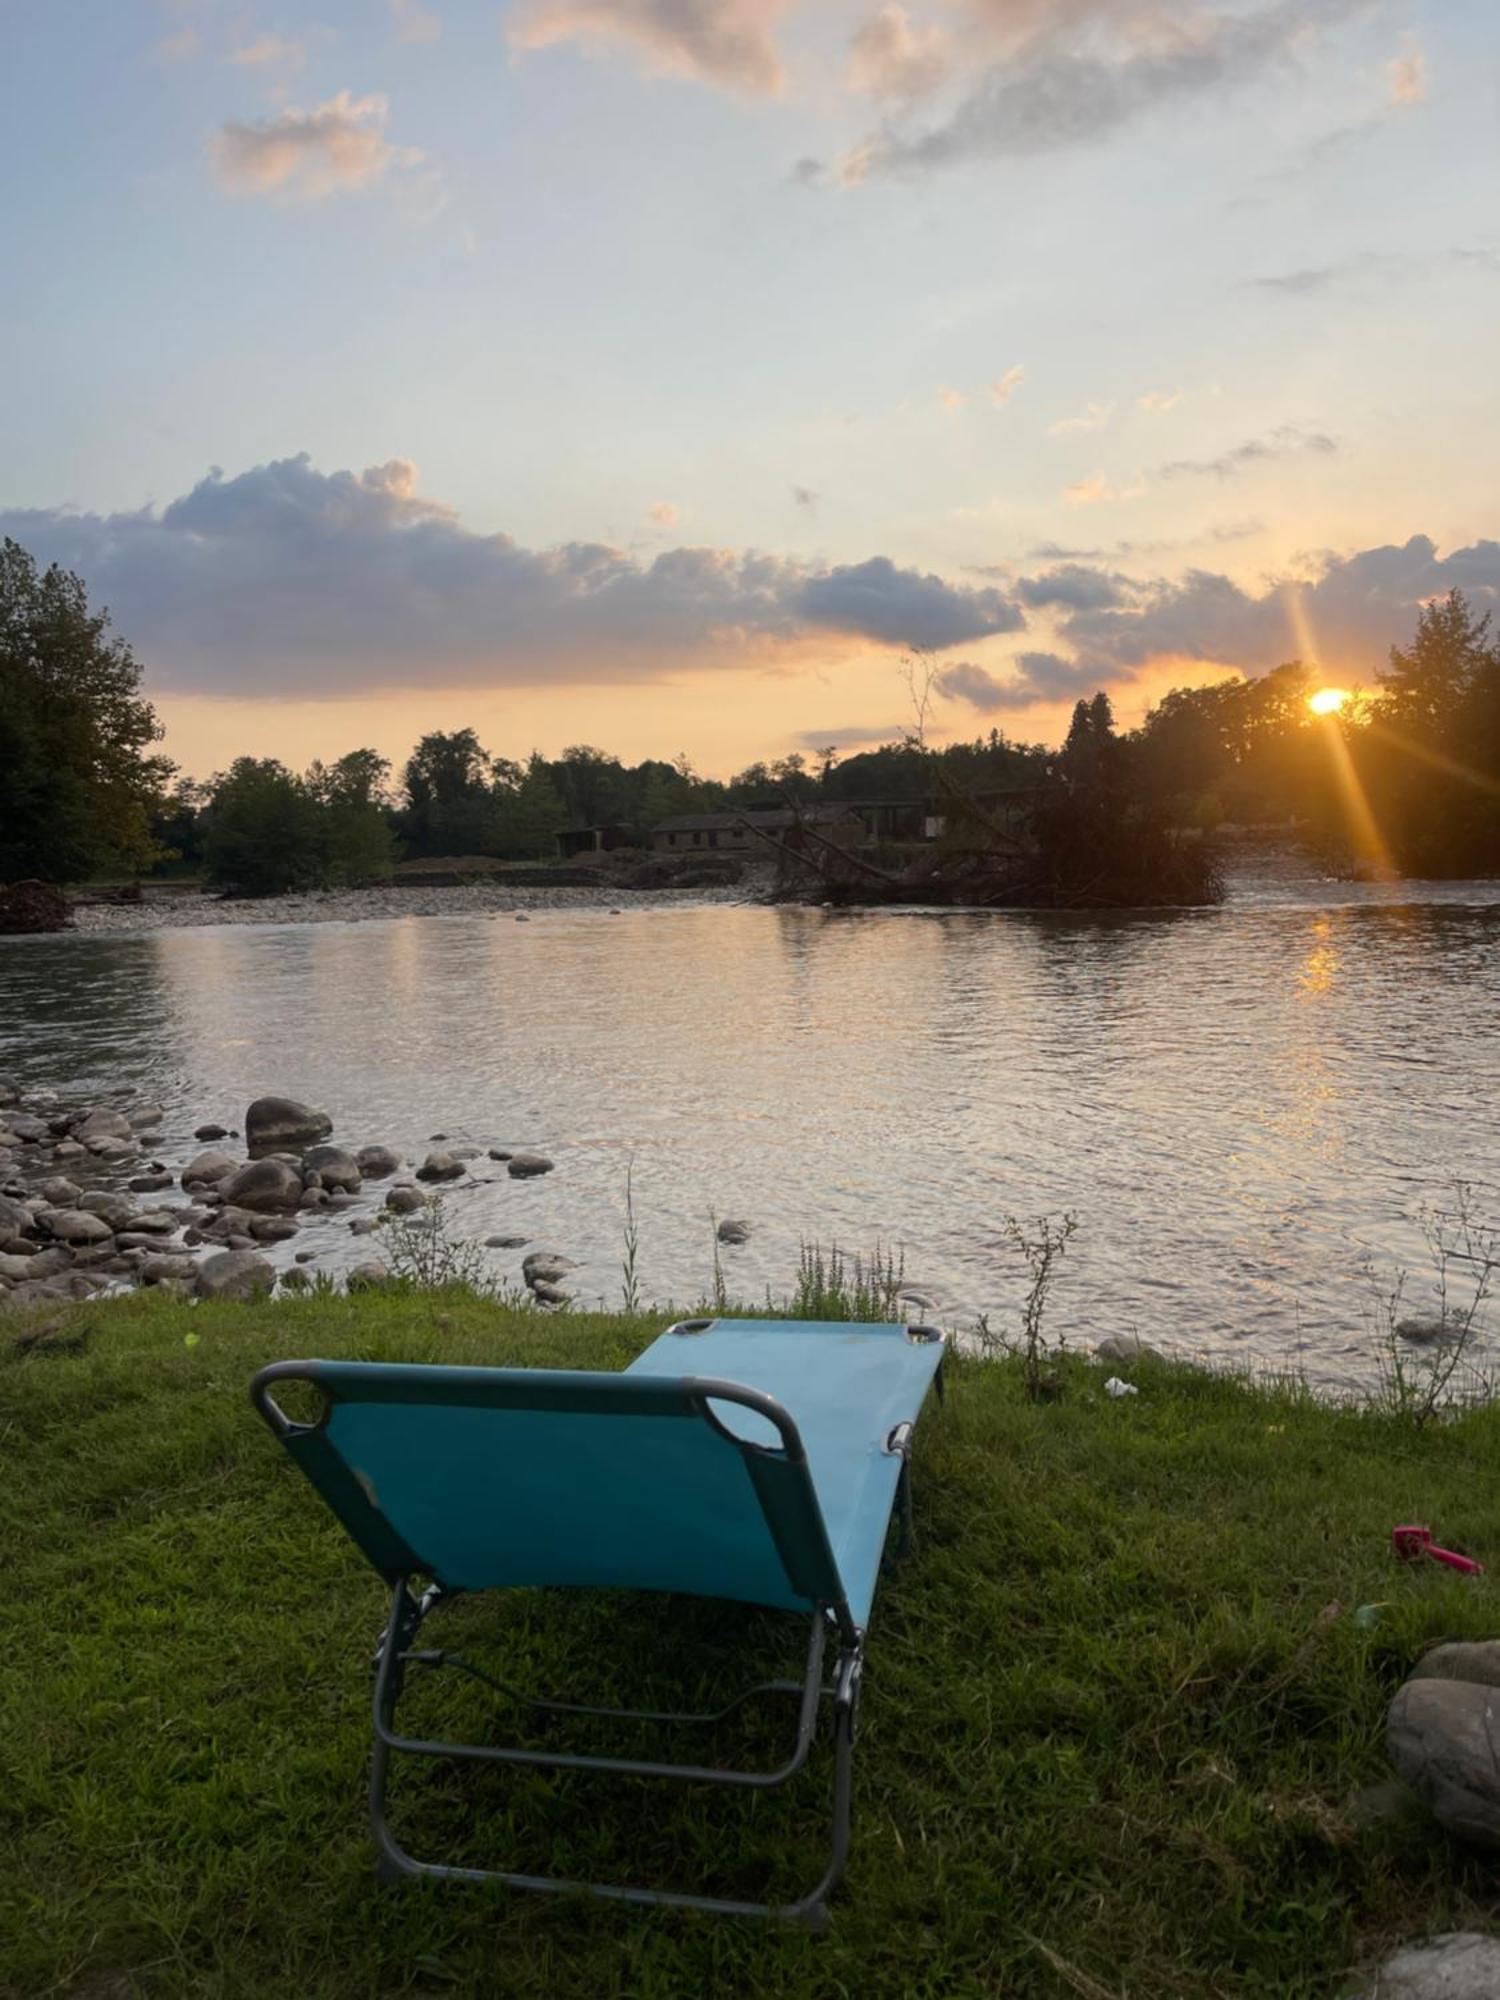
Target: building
[757,828]
[575,840]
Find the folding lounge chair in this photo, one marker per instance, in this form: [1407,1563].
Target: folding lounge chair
[756,1460]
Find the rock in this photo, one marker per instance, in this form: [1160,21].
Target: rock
[545,1267]
[155,1222]
[14,1216]
[550,1295]
[144,1116]
[363,1225]
[10,1090]
[206,1132]
[405,1200]
[113,1149]
[1441,1738]
[16,1270]
[51,1262]
[132,1239]
[1474,1660]
[1438,1330]
[282,1121]
[524,1166]
[30,1131]
[339,1199]
[42,1291]
[114,1208]
[334,1168]
[296,1280]
[210,1167]
[229,1222]
[69,1149]
[1458,1965]
[499,1153]
[273,1228]
[440,1167]
[377,1163]
[313,1197]
[61,1193]
[368,1277]
[158,1269]
[464,1152]
[150,1183]
[732,1231]
[74,1225]
[264,1186]
[306,1256]
[100,1125]
[505,1242]
[1123,1347]
[234,1274]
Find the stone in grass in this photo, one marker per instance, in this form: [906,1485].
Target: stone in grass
[1458,1965]
[1441,1737]
[368,1277]
[551,1295]
[234,1274]
[296,1280]
[525,1166]
[156,1270]
[545,1267]
[1118,1348]
[1475,1660]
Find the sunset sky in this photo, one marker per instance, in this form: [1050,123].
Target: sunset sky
[652,373]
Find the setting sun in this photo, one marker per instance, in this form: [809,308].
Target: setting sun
[1328,701]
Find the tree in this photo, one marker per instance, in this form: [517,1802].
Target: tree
[1426,686]
[353,797]
[266,832]
[78,787]
[446,781]
[529,813]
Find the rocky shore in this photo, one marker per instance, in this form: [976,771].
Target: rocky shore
[487,897]
[85,1208]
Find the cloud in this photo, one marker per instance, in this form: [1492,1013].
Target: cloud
[414,22]
[952,399]
[339,148]
[1347,613]
[1286,441]
[1093,418]
[1039,678]
[270,52]
[893,57]
[285,581]
[1224,531]
[1159,401]
[181,45]
[665,514]
[1077,72]
[725,42]
[1005,386]
[1406,74]
[1384,265]
[1074,586]
[848,736]
[1093,490]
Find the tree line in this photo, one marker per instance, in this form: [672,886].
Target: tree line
[84,790]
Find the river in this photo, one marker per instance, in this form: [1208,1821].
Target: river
[1247,1108]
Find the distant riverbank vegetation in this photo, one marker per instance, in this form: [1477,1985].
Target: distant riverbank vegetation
[1402,780]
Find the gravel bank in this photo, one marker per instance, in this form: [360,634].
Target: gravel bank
[352,906]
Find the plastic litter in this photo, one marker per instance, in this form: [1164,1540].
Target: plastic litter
[1115,1387]
[1412,1543]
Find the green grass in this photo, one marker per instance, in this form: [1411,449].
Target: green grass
[1110,1735]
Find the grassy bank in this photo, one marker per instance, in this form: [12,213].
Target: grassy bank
[1117,1704]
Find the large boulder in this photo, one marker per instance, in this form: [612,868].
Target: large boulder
[100,1124]
[210,1167]
[274,1123]
[1459,1965]
[62,1193]
[113,1208]
[1441,1736]
[377,1163]
[525,1166]
[264,1187]
[234,1274]
[545,1267]
[333,1166]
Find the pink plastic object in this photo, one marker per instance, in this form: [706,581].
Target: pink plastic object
[1412,1543]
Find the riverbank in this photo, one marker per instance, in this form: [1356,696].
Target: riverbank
[1123,1704]
[490,896]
